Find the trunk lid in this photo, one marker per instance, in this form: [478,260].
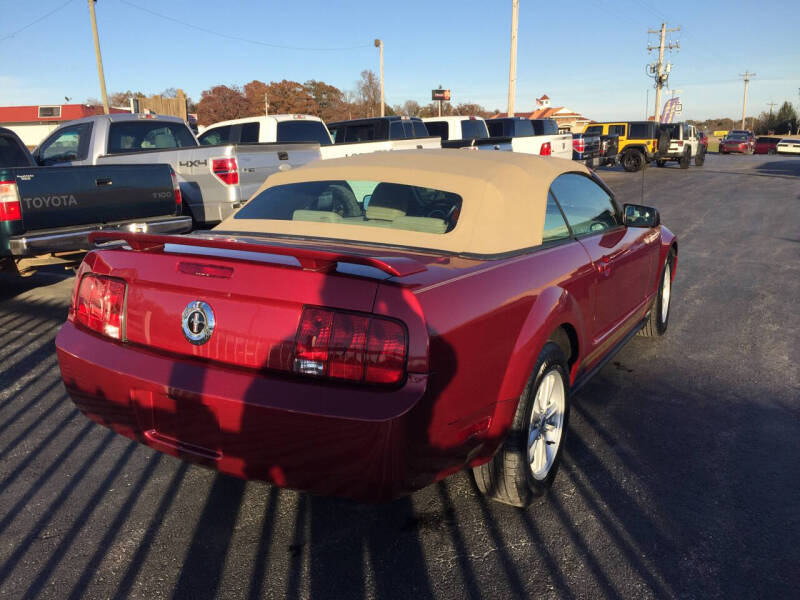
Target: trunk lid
[255,293]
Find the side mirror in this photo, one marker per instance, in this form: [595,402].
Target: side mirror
[636,215]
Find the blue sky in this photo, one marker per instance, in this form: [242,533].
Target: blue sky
[589,55]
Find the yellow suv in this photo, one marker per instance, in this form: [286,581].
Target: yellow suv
[637,141]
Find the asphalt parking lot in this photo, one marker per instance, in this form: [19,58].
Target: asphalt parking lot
[681,475]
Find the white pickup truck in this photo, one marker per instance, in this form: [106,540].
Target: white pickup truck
[270,129]
[515,135]
[532,136]
[214,181]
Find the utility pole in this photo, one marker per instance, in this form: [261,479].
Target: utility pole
[512,69]
[379,44]
[440,102]
[99,58]
[659,71]
[266,104]
[747,75]
[771,104]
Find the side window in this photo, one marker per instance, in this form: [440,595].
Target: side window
[71,143]
[438,129]
[12,153]
[588,207]
[217,135]
[419,129]
[249,133]
[616,130]
[555,228]
[594,130]
[396,131]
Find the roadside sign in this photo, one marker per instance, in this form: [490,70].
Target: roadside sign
[672,107]
[721,133]
[440,95]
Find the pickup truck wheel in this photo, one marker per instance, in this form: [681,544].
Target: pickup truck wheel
[661,162]
[527,462]
[685,159]
[658,319]
[633,160]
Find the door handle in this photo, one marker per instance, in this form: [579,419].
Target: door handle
[103,181]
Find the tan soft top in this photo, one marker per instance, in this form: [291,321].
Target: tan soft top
[504,197]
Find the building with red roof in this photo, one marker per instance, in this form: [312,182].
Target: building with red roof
[33,123]
[567,120]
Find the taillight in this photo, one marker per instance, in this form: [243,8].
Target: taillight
[176,192]
[546,150]
[680,143]
[10,209]
[99,304]
[579,144]
[226,169]
[350,346]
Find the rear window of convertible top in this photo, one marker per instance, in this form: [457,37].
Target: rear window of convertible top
[358,203]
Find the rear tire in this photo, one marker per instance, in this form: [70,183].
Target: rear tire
[686,159]
[700,157]
[633,160]
[526,464]
[661,162]
[772,151]
[658,319]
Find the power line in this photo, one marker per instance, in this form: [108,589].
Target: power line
[32,23]
[237,38]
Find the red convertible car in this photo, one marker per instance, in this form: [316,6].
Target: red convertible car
[366,326]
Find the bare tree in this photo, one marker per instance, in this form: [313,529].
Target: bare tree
[368,91]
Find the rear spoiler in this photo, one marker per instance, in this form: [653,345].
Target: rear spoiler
[309,259]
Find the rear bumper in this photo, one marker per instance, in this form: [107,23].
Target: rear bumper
[77,238]
[362,443]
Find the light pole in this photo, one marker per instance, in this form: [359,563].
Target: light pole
[379,45]
[512,68]
[99,58]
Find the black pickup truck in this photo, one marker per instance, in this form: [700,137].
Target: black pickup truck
[47,213]
[377,128]
[595,150]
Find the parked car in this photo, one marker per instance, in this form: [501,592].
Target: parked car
[585,147]
[379,134]
[214,180]
[367,344]
[47,213]
[457,128]
[789,146]
[377,129]
[636,141]
[737,142]
[703,137]
[270,129]
[766,145]
[595,150]
[532,136]
[679,142]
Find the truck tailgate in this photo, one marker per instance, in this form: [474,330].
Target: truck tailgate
[561,145]
[53,197]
